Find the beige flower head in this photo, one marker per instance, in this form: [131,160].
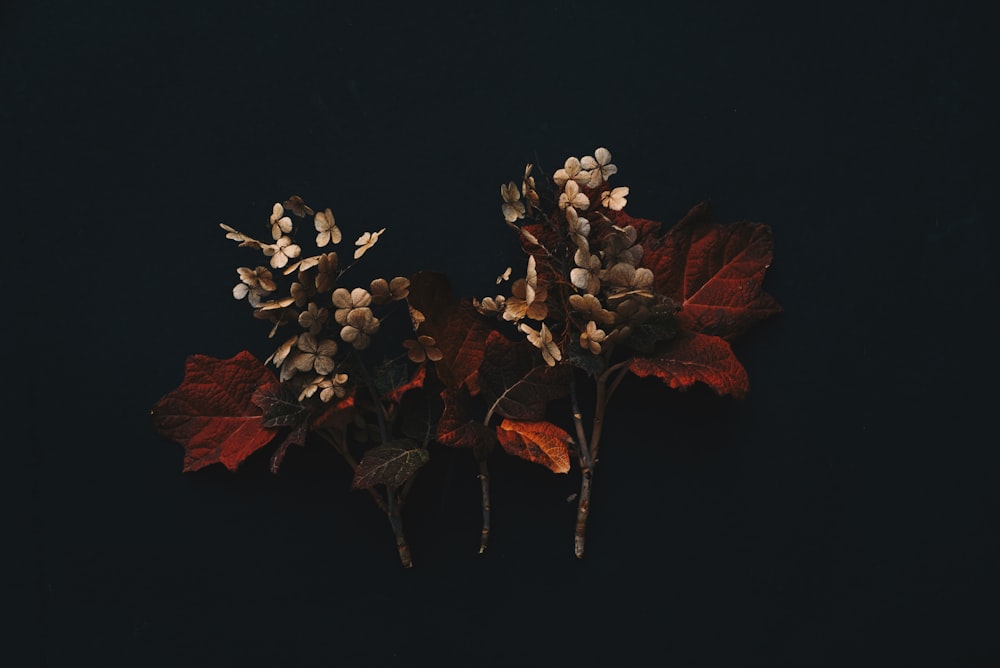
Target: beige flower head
[591,338]
[572,197]
[571,171]
[600,167]
[326,229]
[280,223]
[542,340]
[365,242]
[384,291]
[348,301]
[615,199]
[512,207]
[360,325]
[281,251]
[424,348]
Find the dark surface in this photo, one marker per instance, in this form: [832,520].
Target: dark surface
[845,514]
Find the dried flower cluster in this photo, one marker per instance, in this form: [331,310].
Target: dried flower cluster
[331,319]
[584,286]
[602,296]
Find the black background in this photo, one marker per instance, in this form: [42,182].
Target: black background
[845,514]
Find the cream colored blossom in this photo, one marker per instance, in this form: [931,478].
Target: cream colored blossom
[366,241]
[590,307]
[528,187]
[578,229]
[313,318]
[542,340]
[615,199]
[518,307]
[360,325]
[348,301]
[256,283]
[326,229]
[591,338]
[586,274]
[384,291]
[314,355]
[236,235]
[571,171]
[600,167]
[281,251]
[572,197]
[280,223]
[512,207]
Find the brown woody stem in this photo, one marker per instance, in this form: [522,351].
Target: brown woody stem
[588,450]
[391,493]
[484,482]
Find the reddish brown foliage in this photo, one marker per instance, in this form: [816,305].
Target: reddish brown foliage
[212,413]
[691,357]
[539,442]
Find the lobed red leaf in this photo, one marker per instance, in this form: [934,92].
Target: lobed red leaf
[691,357]
[211,413]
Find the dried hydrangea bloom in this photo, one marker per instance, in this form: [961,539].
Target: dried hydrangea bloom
[623,277]
[280,223]
[505,276]
[615,199]
[517,306]
[490,305]
[384,291]
[543,341]
[416,317]
[620,246]
[591,308]
[587,273]
[348,301]
[424,348]
[313,318]
[578,229]
[244,240]
[281,251]
[600,167]
[256,283]
[326,229]
[591,338]
[366,241]
[572,197]
[303,289]
[360,325]
[528,187]
[328,387]
[313,355]
[571,171]
[512,207]
[298,207]
[279,355]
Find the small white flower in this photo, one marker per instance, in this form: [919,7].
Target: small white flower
[600,167]
[281,251]
[572,197]
[280,223]
[615,199]
[366,241]
[512,207]
[543,341]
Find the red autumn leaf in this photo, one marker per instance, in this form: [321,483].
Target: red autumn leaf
[713,271]
[539,442]
[416,382]
[691,357]
[212,413]
[455,428]
[336,416]
[513,381]
[458,329]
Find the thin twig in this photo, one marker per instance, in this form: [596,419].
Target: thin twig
[484,482]
[391,494]
[341,448]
